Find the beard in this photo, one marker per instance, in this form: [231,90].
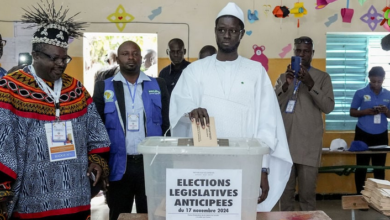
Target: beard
[228,49]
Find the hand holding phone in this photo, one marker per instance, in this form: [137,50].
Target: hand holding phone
[380,109]
[296,64]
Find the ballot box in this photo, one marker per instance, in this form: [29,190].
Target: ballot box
[186,182]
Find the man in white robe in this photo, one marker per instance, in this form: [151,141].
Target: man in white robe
[239,94]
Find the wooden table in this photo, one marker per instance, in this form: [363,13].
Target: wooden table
[348,169]
[314,215]
[356,152]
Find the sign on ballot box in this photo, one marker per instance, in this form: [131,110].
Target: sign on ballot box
[187,182]
[203,194]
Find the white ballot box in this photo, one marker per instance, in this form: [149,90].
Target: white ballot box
[191,183]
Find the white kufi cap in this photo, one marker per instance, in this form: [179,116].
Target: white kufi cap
[232,9]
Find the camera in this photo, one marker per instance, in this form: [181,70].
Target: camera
[296,64]
[24,59]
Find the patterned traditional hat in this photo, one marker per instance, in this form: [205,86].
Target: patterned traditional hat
[53,26]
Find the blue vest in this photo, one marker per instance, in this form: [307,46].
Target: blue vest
[151,97]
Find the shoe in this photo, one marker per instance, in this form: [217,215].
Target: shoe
[364,210]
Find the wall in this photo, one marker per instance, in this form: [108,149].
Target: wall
[197,18]
[193,21]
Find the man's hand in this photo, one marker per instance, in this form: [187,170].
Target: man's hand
[264,188]
[382,109]
[305,78]
[97,170]
[200,115]
[289,78]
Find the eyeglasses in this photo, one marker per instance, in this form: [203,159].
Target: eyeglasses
[222,31]
[57,60]
[303,40]
[3,43]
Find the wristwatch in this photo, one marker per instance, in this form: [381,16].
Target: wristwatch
[265,170]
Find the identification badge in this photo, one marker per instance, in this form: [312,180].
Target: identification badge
[59,131]
[60,150]
[133,122]
[377,119]
[290,106]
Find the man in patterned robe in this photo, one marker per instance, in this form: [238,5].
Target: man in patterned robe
[38,179]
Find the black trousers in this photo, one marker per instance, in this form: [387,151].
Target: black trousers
[121,193]
[364,159]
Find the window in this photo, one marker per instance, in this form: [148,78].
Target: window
[349,57]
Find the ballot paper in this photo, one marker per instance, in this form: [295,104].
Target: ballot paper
[205,137]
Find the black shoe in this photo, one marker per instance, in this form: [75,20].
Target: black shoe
[364,210]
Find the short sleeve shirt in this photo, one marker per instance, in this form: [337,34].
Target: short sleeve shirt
[364,99]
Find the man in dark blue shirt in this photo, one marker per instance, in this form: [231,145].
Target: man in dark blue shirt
[172,72]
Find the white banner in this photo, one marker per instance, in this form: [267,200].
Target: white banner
[203,194]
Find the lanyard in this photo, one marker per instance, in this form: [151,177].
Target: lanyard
[296,86]
[132,95]
[55,95]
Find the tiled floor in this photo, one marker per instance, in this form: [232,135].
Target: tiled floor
[331,207]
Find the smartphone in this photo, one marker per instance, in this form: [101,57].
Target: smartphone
[296,64]
[378,107]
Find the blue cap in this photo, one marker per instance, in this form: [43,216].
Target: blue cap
[358,146]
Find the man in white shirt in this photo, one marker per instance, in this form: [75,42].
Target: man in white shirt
[238,93]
